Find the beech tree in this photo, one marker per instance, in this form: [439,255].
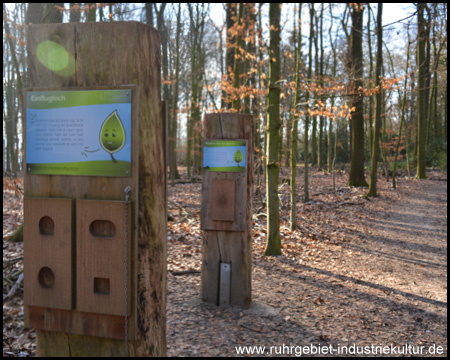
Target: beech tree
[421,94]
[273,246]
[378,107]
[294,135]
[173,120]
[356,72]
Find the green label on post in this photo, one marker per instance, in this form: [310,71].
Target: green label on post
[224,155]
[79,132]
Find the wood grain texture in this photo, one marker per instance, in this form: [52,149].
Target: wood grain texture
[219,243]
[102,257]
[223,199]
[113,54]
[212,203]
[49,251]
[78,322]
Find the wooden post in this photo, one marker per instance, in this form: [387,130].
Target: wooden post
[105,55]
[227,217]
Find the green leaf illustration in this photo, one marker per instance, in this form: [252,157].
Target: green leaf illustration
[238,157]
[112,134]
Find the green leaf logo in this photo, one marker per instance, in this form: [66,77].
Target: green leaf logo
[112,134]
[238,157]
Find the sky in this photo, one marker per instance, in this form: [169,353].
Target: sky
[392,13]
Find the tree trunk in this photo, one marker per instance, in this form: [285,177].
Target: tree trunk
[91,13]
[35,13]
[330,126]
[231,9]
[378,106]
[173,128]
[193,131]
[357,134]
[402,119]
[421,94]
[298,60]
[316,79]
[308,95]
[273,246]
[322,118]
[236,103]
[370,116]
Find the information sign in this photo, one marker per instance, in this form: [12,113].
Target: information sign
[79,132]
[224,155]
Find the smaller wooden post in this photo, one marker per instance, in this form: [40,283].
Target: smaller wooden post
[227,215]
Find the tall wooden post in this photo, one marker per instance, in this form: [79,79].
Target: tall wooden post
[104,55]
[227,217]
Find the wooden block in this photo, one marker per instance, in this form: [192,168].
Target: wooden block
[223,199]
[77,322]
[101,227]
[232,248]
[48,252]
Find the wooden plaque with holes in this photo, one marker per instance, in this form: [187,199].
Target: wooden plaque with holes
[48,231]
[101,278]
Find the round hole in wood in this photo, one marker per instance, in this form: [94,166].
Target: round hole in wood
[102,228]
[46,278]
[46,226]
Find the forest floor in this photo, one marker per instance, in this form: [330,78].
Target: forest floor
[367,276]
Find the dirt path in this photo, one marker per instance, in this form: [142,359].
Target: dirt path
[356,275]
[376,278]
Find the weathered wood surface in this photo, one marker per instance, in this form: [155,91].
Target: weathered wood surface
[100,226]
[233,247]
[224,201]
[114,54]
[48,279]
[77,322]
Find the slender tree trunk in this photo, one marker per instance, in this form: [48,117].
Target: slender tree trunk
[236,103]
[197,22]
[190,120]
[421,94]
[370,119]
[273,246]
[402,119]
[307,117]
[91,14]
[357,122]
[35,13]
[251,108]
[173,128]
[75,15]
[320,82]
[230,52]
[259,135]
[19,91]
[316,77]
[330,126]
[294,135]
[378,106]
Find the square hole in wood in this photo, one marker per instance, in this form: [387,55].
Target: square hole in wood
[101,286]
